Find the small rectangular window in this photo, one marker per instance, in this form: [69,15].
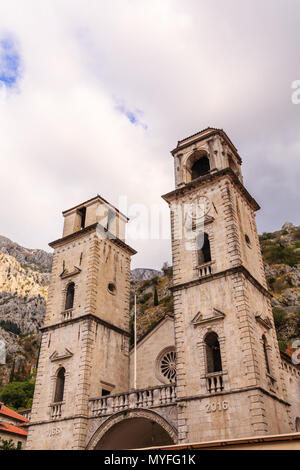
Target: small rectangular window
[105,392]
[82,213]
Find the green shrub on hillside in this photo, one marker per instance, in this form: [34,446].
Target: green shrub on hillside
[282,283]
[145,298]
[267,236]
[296,234]
[279,254]
[168,302]
[282,345]
[154,281]
[143,308]
[280,317]
[18,395]
[7,445]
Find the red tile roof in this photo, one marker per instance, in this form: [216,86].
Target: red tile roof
[10,428]
[4,411]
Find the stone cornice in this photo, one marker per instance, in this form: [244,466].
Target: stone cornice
[211,177]
[92,200]
[227,272]
[88,316]
[193,139]
[62,241]
[59,420]
[265,322]
[231,392]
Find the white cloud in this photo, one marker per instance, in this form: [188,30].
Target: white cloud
[183,65]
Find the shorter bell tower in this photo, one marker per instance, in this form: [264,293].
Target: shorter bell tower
[85,338]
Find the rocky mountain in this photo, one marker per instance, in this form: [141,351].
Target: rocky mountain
[37,260]
[24,280]
[143,274]
[25,275]
[281,253]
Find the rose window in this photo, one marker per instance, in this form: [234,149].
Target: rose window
[168,366]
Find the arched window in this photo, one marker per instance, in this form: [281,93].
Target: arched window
[200,168]
[60,385]
[203,249]
[70,296]
[213,353]
[265,346]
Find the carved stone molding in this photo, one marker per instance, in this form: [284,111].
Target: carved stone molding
[199,320]
[265,322]
[57,357]
[65,274]
[120,417]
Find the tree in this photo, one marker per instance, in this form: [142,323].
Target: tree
[7,445]
[18,395]
[156,302]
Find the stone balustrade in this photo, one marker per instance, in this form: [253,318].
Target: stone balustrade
[205,270]
[56,410]
[215,382]
[67,315]
[25,413]
[146,398]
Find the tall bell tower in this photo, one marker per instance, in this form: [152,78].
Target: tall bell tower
[229,377]
[85,338]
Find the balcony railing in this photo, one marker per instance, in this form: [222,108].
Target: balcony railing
[67,315]
[205,269]
[146,398]
[56,410]
[25,413]
[215,382]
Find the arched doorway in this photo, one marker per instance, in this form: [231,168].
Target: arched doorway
[135,430]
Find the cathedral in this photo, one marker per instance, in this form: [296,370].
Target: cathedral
[212,371]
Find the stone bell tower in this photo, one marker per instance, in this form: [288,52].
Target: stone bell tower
[85,339]
[229,376]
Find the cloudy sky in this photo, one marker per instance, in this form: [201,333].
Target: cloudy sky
[94,95]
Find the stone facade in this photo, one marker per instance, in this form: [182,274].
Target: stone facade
[231,381]
[227,297]
[89,340]
[149,353]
